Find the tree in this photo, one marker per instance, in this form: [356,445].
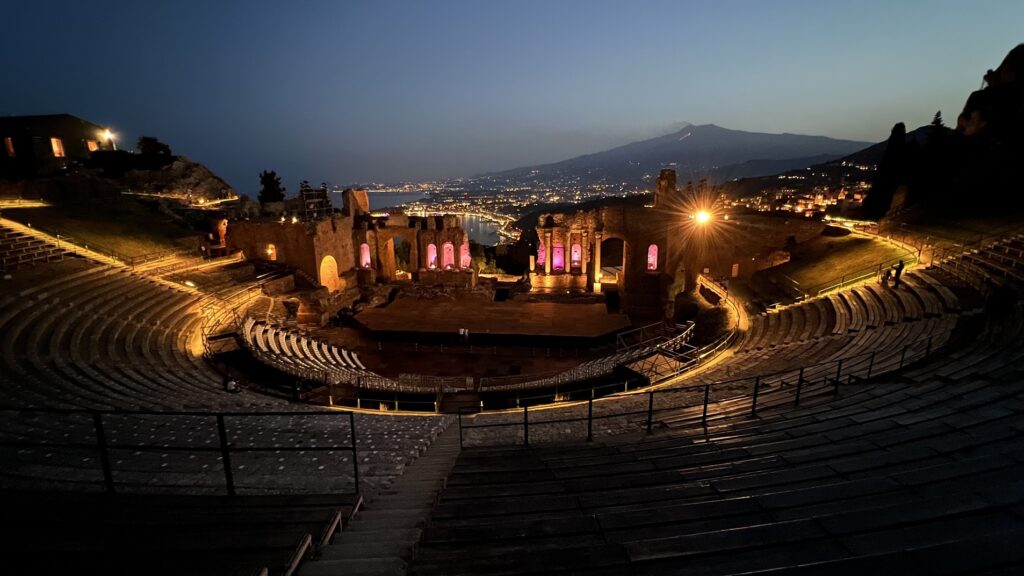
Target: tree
[937,120]
[150,146]
[271,189]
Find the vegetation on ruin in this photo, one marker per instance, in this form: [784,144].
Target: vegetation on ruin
[126,226]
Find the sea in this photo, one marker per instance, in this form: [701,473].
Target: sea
[480,230]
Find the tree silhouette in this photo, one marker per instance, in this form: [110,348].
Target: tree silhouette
[271,189]
[937,120]
[892,172]
[150,146]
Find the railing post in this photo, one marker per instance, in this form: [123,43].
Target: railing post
[355,455]
[753,403]
[704,415]
[839,372]
[871,365]
[526,425]
[903,356]
[460,427]
[590,417]
[101,442]
[800,384]
[225,455]
[650,411]
[928,352]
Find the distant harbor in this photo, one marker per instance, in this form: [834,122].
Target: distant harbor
[480,229]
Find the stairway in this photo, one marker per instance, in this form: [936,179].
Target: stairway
[383,536]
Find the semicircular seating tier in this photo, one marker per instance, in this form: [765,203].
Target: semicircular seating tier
[913,471]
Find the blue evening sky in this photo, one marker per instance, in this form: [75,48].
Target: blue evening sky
[380,90]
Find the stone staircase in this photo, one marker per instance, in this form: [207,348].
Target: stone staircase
[383,536]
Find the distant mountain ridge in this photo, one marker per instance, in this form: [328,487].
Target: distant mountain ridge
[699,151]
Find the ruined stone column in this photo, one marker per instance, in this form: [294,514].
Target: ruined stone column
[547,252]
[597,257]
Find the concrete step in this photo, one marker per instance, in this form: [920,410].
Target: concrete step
[379,549]
[370,536]
[377,513]
[403,523]
[362,566]
[417,504]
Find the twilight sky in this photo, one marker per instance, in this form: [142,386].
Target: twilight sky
[353,91]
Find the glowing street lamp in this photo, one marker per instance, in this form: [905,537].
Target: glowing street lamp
[702,217]
[109,137]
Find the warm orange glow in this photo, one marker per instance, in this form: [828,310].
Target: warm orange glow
[58,147]
[702,217]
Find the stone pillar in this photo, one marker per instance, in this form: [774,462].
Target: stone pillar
[585,256]
[547,252]
[597,257]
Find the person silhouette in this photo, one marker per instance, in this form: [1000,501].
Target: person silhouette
[896,276]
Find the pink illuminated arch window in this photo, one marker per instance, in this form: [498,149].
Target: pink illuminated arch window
[364,255]
[448,256]
[542,255]
[465,260]
[576,256]
[432,256]
[558,257]
[652,257]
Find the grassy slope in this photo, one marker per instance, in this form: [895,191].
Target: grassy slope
[824,259]
[126,226]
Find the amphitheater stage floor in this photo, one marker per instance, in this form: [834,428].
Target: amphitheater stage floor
[509,318]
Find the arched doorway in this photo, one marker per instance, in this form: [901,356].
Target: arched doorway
[329,274]
[402,251]
[364,256]
[652,258]
[431,256]
[447,256]
[558,257]
[613,260]
[270,252]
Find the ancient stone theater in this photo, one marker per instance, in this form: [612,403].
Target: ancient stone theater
[658,248]
[340,250]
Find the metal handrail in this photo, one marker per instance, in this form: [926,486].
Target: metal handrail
[799,381]
[224,447]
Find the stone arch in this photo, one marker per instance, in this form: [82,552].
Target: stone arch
[614,258]
[270,252]
[329,277]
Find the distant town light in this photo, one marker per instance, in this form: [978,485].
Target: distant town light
[295,219]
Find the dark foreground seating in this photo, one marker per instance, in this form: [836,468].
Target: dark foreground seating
[59,533]
[896,478]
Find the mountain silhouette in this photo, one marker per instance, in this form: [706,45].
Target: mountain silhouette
[698,151]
